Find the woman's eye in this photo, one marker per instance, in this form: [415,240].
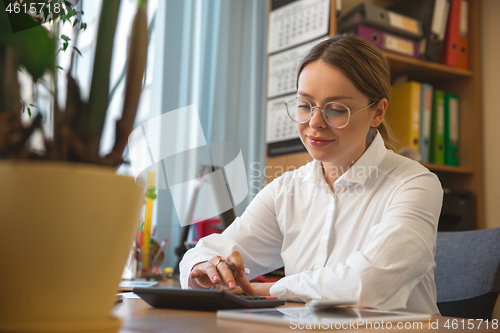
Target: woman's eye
[338,111]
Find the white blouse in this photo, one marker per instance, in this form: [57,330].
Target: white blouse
[373,238]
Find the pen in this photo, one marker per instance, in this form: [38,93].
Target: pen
[231,265]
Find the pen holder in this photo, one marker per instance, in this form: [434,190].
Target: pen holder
[154,270]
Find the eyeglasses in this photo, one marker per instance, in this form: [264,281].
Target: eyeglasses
[337,115]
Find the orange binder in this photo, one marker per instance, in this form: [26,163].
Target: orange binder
[463,39]
[449,55]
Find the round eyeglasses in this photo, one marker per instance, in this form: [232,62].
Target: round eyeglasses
[337,115]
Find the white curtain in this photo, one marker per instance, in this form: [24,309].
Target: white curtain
[212,53]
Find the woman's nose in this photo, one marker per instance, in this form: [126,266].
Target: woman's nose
[317,120]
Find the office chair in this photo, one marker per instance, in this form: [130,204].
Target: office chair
[467,273]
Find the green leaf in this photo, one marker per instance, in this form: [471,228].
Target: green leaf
[29,112]
[66,38]
[19,69]
[65,46]
[35,49]
[83,26]
[70,14]
[150,193]
[77,50]
[33,105]
[67,4]
[74,23]
[60,67]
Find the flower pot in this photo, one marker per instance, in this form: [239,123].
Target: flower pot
[66,231]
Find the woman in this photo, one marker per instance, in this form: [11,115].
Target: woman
[359,221]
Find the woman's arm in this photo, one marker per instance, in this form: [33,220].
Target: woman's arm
[255,235]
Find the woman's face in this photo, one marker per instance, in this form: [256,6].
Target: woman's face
[320,83]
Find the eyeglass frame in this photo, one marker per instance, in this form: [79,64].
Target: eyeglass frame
[323,111]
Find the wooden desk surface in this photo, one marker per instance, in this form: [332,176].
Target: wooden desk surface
[138,316]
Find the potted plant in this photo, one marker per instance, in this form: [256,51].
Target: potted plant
[67,219]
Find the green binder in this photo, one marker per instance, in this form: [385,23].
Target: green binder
[437,128]
[451,129]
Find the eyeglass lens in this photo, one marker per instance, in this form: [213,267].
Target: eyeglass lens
[300,111]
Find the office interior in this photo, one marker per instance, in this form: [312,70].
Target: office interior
[228,85]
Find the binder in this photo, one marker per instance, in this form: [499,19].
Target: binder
[386,40]
[451,129]
[275,4]
[437,128]
[463,38]
[425,122]
[434,17]
[449,55]
[403,114]
[381,18]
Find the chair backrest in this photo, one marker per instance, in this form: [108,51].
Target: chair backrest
[467,272]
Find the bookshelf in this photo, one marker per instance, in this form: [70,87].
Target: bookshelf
[464,83]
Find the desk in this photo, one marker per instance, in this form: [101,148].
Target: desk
[138,316]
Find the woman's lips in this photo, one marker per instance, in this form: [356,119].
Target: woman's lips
[318,141]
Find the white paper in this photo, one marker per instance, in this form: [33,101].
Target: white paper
[283,66]
[279,126]
[296,23]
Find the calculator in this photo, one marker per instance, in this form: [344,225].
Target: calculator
[202,299]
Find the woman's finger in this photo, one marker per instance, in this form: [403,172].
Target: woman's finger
[235,291]
[245,285]
[226,274]
[237,262]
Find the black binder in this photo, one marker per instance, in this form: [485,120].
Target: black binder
[434,17]
[381,18]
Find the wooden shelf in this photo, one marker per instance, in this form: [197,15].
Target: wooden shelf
[448,168]
[464,83]
[421,70]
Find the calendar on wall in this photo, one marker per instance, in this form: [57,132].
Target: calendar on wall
[281,132]
[296,23]
[279,126]
[283,66]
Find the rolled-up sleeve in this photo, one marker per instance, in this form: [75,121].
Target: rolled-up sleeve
[256,235]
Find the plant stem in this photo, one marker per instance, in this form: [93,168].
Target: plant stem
[92,124]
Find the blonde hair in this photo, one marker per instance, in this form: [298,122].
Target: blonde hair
[363,63]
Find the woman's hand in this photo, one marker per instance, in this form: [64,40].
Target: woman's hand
[260,289]
[215,272]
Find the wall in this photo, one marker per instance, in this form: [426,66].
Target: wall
[490,49]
